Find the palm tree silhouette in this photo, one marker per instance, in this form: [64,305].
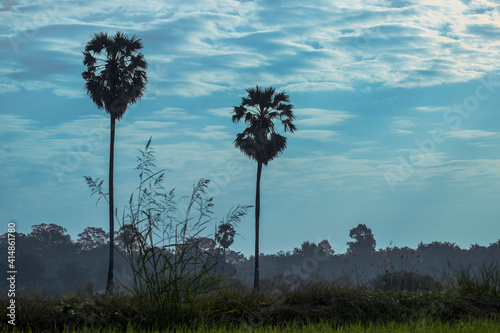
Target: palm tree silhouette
[115,77]
[260,141]
[225,236]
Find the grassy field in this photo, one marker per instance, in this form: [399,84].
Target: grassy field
[320,308]
[463,326]
[467,303]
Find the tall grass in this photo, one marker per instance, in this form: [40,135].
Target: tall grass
[173,257]
[393,280]
[477,280]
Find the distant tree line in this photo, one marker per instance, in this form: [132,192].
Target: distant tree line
[49,261]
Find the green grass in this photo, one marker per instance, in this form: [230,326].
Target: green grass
[320,305]
[463,326]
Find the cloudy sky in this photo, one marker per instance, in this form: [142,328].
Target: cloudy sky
[396,101]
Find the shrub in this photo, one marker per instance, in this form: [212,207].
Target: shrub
[408,281]
[477,280]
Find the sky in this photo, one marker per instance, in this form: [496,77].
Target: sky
[396,102]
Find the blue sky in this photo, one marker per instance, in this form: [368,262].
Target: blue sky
[397,106]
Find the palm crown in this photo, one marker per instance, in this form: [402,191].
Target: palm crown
[225,235]
[117,79]
[260,141]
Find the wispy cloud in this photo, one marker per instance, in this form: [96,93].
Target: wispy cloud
[400,125]
[321,135]
[472,134]
[175,114]
[201,48]
[321,117]
[401,131]
[213,133]
[430,109]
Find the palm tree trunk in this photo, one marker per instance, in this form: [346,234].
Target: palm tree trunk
[257,217]
[109,285]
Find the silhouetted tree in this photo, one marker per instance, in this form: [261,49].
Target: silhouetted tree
[50,234]
[225,236]
[260,141]
[92,238]
[127,238]
[364,241]
[306,249]
[439,249]
[325,246]
[233,257]
[115,77]
[311,249]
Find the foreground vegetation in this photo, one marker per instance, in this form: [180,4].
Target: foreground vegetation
[319,308]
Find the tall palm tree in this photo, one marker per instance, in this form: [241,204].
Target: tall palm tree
[115,77]
[260,141]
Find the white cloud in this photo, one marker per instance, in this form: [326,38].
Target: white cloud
[431,109]
[151,125]
[321,135]
[401,131]
[320,117]
[222,112]
[400,125]
[317,86]
[324,172]
[213,133]
[13,123]
[69,93]
[403,122]
[200,48]
[363,150]
[175,113]
[472,134]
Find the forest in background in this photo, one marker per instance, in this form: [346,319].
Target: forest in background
[49,261]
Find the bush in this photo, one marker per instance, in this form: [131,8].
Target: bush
[478,281]
[408,281]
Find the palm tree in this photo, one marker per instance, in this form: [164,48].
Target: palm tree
[260,141]
[225,236]
[115,77]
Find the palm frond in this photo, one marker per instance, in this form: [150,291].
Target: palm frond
[287,124]
[119,78]
[280,98]
[239,112]
[259,140]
